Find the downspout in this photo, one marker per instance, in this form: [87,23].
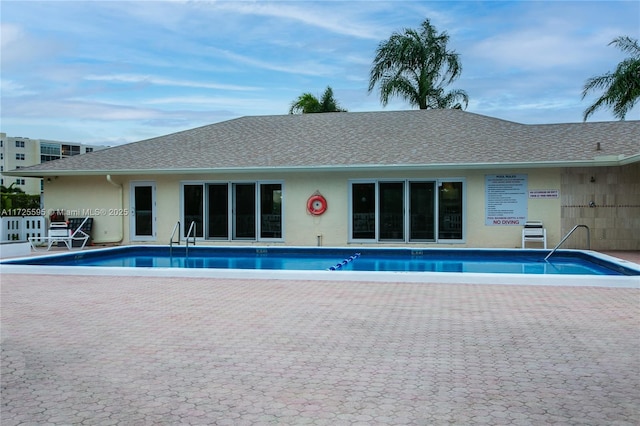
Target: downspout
[120,237]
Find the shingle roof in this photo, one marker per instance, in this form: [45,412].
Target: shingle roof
[416,138]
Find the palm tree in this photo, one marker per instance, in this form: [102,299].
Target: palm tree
[417,66]
[307,103]
[622,87]
[11,195]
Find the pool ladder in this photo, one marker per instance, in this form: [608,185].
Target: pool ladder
[568,235]
[190,234]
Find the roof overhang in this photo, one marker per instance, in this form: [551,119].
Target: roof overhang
[603,161]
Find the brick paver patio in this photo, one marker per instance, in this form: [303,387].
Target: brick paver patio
[166,351]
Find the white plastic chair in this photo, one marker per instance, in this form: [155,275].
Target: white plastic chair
[534,231]
[59,233]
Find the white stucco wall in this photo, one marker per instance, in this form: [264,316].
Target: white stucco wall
[300,228]
[88,196]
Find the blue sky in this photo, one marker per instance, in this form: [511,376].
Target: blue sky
[109,72]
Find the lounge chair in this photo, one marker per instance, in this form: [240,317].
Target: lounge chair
[59,233]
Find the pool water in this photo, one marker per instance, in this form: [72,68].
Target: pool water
[514,261]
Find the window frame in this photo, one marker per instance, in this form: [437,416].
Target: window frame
[437,184]
[231,230]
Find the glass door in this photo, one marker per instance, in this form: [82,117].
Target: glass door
[270,210]
[218,226]
[193,209]
[391,211]
[143,211]
[421,211]
[363,211]
[244,211]
[450,211]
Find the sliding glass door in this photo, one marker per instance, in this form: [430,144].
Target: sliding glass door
[363,211]
[233,210]
[391,211]
[193,210]
[271,210]
[244,211]
[408,210]
[450,211]
[421,211]
[218,211]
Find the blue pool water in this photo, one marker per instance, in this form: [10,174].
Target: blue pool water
[341,259]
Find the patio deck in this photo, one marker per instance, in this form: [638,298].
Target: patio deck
[106,350]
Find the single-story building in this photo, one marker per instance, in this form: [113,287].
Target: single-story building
[433,178]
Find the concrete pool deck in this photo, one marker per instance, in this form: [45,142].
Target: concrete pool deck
[115,350]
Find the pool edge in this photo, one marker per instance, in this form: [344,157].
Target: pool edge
[629,281]
[369,276]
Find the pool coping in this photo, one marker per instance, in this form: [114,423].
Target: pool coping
[322,275]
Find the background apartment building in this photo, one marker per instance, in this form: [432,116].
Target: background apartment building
[18,152]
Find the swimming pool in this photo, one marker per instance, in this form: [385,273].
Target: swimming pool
[338,260]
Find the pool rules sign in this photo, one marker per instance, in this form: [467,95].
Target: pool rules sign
[506,199]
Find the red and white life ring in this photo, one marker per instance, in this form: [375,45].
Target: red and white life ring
[316,204]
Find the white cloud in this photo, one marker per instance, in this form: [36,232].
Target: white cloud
[555,36]
[336,20]
[9,88]
[306,66]
[78,109]
[205,100]
[20,48]
[531,50]
[11,35]
[147,79]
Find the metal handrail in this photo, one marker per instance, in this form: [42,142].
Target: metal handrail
[192,229]
[173,233]
[567,236]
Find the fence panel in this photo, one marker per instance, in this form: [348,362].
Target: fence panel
[20,228]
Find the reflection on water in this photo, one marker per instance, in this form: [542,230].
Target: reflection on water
[363,263]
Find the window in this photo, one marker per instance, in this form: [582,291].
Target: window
[142,220]
[233,210]
[406,210]
[19,156]
[50,149]
[88,150]
[391,207]
[218,211]
[271,210]
[450,211]
[19,181]
[19,144]
[69,150]
[192,208]
[363,201]
[244,208]
[45,158]
[422,211]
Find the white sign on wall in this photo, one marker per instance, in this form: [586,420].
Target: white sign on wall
[544,193]
[506,199]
